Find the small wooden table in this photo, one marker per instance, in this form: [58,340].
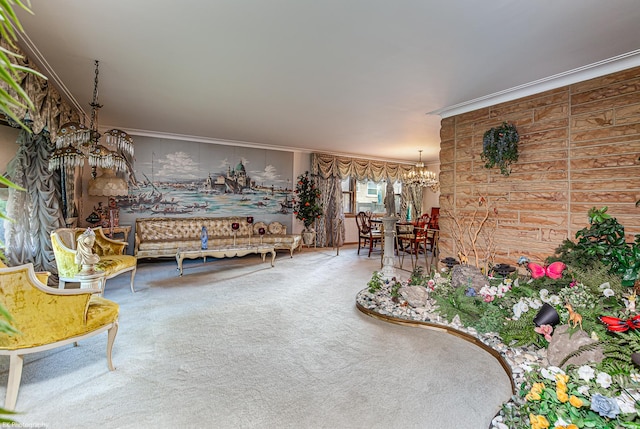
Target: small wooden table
[228,251]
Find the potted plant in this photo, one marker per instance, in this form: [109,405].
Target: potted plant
[500,147]
[307,207]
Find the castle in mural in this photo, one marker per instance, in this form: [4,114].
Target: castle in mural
[235,181]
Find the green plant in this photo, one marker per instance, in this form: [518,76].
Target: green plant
[9,75]
[376,282]
[604,239]
[500,147]
[307,207]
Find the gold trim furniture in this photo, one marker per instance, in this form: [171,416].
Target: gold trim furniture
[47,318]
[113,261]
[228,251]
[162,237]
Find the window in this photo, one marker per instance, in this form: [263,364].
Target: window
[367,196]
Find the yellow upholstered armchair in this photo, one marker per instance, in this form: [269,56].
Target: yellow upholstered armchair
[113,261]
[47,318]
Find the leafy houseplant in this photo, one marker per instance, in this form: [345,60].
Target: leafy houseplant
[500,147]
[604,239]
[307,207]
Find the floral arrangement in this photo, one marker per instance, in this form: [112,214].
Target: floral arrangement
[500,147]
[307,207]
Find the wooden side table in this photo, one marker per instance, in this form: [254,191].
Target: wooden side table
[125,230]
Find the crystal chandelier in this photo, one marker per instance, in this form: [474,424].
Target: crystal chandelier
[76,144]
[421,176]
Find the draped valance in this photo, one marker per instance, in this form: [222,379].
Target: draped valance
[51,110]
[325,166]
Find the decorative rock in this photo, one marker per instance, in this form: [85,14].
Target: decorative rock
[562,344]
[416,296]
[468,275]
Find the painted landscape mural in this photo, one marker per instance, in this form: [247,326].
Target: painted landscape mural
[176,178]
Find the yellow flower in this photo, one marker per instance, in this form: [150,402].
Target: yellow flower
[564,378]
[532,396]
[575,401]
[560,385]
[534,393]
[537,388]
[571,426]
[562,396]
[538,422]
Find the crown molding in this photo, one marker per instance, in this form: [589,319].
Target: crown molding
[200,139]
[580,74]
[36,56]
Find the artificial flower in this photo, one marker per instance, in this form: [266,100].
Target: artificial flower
[627,402]
[575,401]
[583,390]
[545,330]
[538,422]
[606,407]
[569,426]
[519,308]
[594,336]
[562,395]
[608,292]
[605,285]
[635,377]
[604,380]
[586,373]
[550,372]
[554,300]
[561,377]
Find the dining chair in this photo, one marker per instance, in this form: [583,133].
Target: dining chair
[366,234]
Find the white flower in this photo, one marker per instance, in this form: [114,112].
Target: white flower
[544,294]
[605,285]
[627,402]
[586,372]
[583,390]
[516,283]
[608,292]
[519,308]
[534,303]
[635,377]
[550,372]
[594,336]
[507,282]
[560,422]
[604,380]
[554,300]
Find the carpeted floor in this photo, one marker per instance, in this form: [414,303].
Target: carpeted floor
[237,344]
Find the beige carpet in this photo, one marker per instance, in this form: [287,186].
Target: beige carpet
[237,344]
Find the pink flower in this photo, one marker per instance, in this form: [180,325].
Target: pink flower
[545,330]
[489,298]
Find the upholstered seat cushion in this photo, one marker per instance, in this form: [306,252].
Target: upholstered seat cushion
[80,314]
[112,264]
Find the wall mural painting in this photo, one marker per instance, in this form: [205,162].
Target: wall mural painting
[200,179]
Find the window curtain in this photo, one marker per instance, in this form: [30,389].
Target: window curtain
[330,231]
[413,195]
[330,170]
[37,210]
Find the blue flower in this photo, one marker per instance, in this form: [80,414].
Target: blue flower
[470,292]
[606,407]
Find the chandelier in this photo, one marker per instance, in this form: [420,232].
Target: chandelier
[421,176]
[76,144]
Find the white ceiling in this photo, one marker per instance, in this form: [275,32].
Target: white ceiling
[352,77]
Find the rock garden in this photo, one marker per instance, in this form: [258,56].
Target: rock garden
[567,331]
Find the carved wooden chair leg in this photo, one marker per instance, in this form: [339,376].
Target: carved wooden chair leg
[15,374]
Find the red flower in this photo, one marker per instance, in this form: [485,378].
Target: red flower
[307,204]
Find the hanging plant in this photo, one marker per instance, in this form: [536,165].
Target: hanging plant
[500,147]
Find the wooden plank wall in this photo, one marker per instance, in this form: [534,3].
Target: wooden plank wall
[579,148]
